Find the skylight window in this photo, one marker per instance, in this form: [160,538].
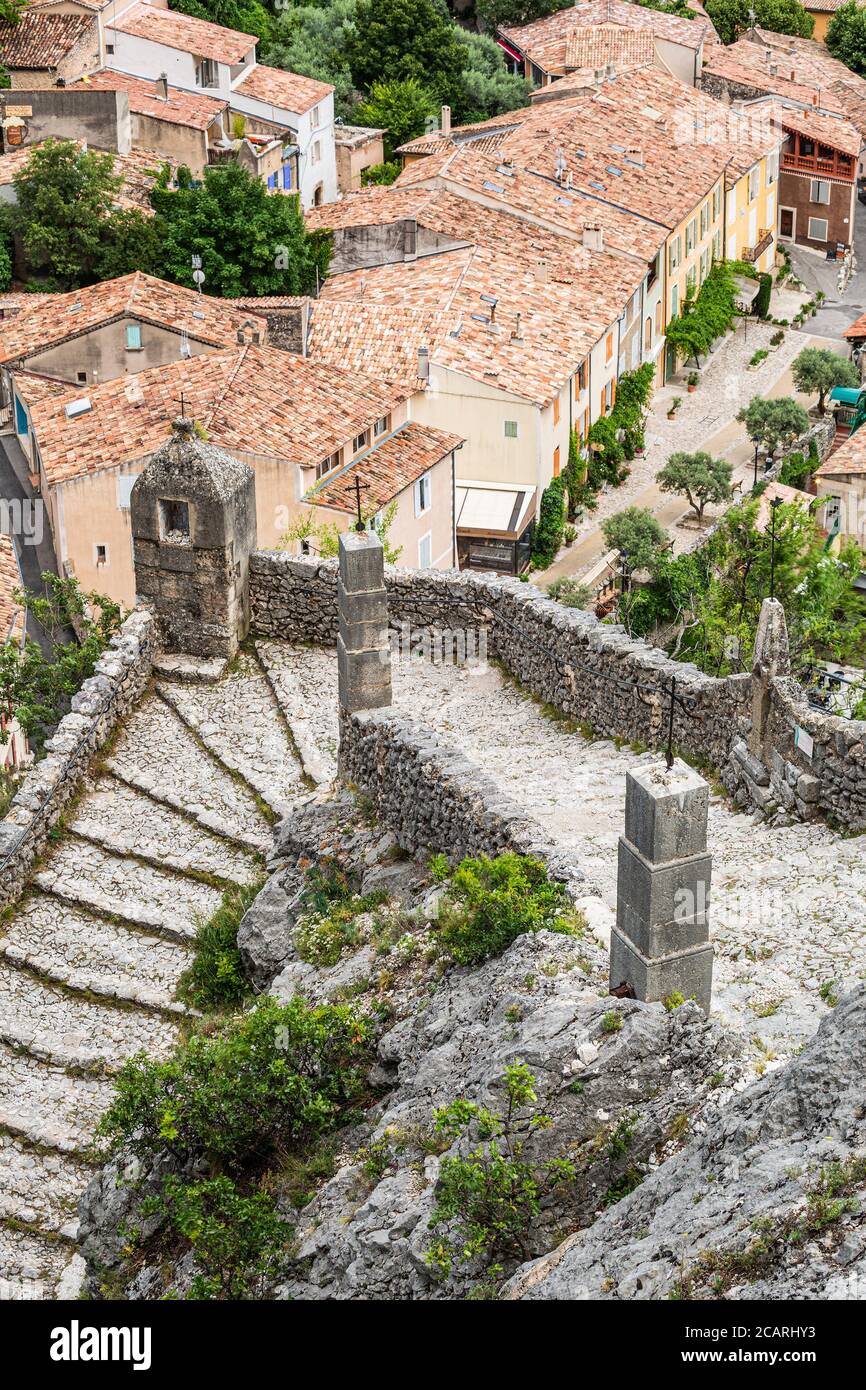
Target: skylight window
[558,198]
[593,183]
[493,187]
[612,169]
[79,407]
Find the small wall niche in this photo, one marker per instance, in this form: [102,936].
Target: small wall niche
[174,521]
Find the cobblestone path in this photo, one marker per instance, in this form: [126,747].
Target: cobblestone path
[180,808]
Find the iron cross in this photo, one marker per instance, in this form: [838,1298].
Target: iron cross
[359,488]
[675,699]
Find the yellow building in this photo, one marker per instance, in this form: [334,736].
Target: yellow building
[692,246]
[752,204]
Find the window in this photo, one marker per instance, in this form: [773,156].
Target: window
[556,464]
[717,246]
[705,220]
[648,334]
[133,337]
[423,497]
[100,555]
[675,300]
[717,201]
[556,410]
[317,151]
[658,318]
[819,191]
[705,264]
[674,253]
[125,483]
[109,48]
[817,229]
[207,73]
[381,425]
[691,236]
[754,183]
[510,429]
[360,441]
[608,348]
[82,376]
[287,175]
[690,283]
[772,168]
[425,552]
[314,118]
[833,516]
[732,205]
[329,464]
[581,377]
[272,180]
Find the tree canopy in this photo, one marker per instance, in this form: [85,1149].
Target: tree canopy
[699,477]
[402,108]
[516,12]
[820,369]
[636,534]
[771,423]
[731,17]
[313,41]
[846,36]
[394,39]
[249,242]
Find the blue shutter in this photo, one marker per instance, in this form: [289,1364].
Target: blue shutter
[287,176]
[21,424]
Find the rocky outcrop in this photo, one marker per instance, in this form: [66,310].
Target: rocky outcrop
[762,1205]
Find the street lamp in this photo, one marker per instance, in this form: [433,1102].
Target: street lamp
[774,506]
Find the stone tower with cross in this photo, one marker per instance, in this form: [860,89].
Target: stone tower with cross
[193,530]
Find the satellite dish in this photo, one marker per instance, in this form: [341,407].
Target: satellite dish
[198,276]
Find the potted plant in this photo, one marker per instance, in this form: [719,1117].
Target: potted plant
[674,407]
[692,381]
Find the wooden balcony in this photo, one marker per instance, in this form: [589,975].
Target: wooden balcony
[752,253]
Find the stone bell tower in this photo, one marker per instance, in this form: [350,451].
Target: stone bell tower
[193,528]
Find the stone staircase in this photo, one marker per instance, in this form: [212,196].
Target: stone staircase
[179,808]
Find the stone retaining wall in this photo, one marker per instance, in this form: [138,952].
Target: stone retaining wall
[120,676]
[435,799]
[594,673]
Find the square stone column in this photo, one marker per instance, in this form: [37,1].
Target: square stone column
[660,944]
[363,649]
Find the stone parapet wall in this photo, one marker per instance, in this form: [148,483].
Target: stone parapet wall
[120,677]
[435,799]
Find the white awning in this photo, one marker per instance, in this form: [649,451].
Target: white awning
[494,509]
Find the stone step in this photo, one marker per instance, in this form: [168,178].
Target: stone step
[87,953]
[239,721]
[304,683]
[70,1031]
[87,876]
[40,1189]
[46,1106]
[30,1264]
[157,754]
[126,821]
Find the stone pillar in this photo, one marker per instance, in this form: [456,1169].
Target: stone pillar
[660,944]
[363,650]
[770,658]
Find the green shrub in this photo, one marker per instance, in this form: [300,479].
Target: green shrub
[491,1196]
[570,592]
[758,357]
[279,1074]
[492,901]
[547,536]
[239,1242]
[761,303]
[327,927]
[216,979]
[795,470]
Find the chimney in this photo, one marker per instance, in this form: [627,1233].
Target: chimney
[593,236]
[599,78]
[611,72]
[542,273]
[424,361]
[445,122]
[516,334]
[162,86]
[774,69]
[635,154]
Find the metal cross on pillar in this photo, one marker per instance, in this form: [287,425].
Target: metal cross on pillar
[359,488]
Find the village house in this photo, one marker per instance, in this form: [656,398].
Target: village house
[358,148]
[298,423]
[149,41]
[841,482]
[187,126]
[114,329]
[137,169]
[568,41]
[45,47]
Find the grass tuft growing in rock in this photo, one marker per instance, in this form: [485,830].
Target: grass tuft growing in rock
[328,926]
[216,981]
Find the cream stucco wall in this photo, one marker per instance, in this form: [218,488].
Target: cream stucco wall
[103,355]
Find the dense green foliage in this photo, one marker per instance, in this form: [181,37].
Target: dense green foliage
[247,16]
[487,88]
[706,604]
[249,242]
[39,688]
[705,318]
[394,39]
[820,369]
[216,979]
[277,1075]
[550,526]
[312,39]
[380,174]
[761,305]
[570,592]
[70,232]
[490,902]
[846,36]
[513,13]
[403,108]
[238,1240]
[731,17]
[796,469]
[699,477]
[490,1196]
[770,423]
[636,534]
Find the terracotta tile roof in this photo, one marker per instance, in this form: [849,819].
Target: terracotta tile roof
[599,44]
[829,130]
[11,613]
[380,339]
[192,109]
[461,134]
[288,91]
[41,40]
[265,301]
[185,33]
[784,494]
[250,400]
[850,457]
[387,469]
[367,207]
[857,329]
[55,318]
[545,41]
